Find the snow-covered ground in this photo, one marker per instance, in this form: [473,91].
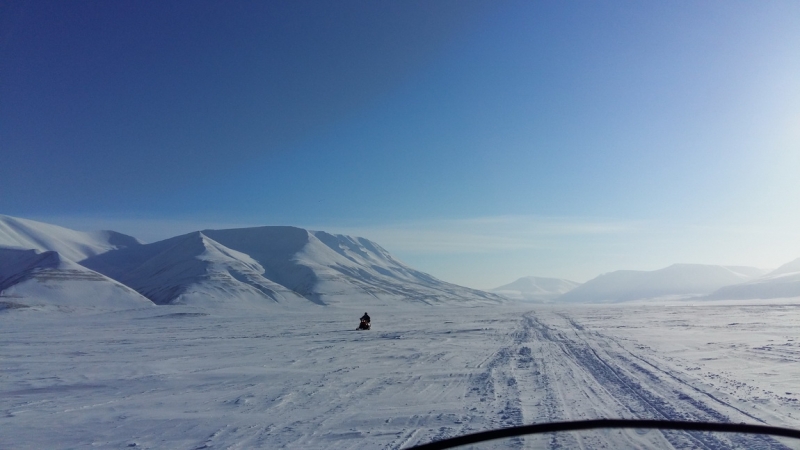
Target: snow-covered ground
[187,378]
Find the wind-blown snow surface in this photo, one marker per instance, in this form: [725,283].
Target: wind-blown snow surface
[677,280]
[780,283]
[536,289]
[184,377]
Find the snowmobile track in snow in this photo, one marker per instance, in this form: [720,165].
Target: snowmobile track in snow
[553,369]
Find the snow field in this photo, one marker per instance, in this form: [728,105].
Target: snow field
[185,377]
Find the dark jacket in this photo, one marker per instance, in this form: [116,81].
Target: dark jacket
[365,317]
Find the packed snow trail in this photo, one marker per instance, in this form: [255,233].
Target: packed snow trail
[180,377]
[556,370]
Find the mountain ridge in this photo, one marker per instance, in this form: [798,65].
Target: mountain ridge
[269,266]
[783,282]
[45,279]
[71,244]
[676,280]
[536,289]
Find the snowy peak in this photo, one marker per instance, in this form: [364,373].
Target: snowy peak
[675,280]
[276,250]
[70,244]
[117,240]
[38,267]
[369,256]
[17,265]
[339,269]
[536,289]
[260,266]
[195,269]
[273,265]
[358,250]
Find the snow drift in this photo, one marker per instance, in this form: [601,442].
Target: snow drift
[673,281]
[536,289]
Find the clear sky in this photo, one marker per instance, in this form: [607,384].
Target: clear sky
[477,141]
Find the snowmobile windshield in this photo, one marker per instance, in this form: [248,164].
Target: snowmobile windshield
[627,434]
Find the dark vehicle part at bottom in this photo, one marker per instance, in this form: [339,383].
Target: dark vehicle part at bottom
[607,423]
[364,325]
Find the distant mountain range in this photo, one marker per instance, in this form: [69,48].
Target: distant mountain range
[44,264]
[678,281]
[536,289]
[675,281]
[782,282]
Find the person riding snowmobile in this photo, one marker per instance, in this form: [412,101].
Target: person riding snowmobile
[364,325]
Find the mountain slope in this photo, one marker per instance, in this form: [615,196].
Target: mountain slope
[32,278]
[675,280]
[790,267]
[536,289]
[780,283]
[198,270]
[70,244]
[339,269]
[277,263]
[38,267]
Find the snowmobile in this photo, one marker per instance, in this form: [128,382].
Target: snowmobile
[364,325]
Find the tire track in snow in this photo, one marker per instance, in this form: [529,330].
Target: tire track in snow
[497,388]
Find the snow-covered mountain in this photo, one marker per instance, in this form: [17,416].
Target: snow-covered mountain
[274,265]
[673,281]
[70,244]
[193,269]
[45,279]
[39,267]
[780,283]
[263,267]
[536,289]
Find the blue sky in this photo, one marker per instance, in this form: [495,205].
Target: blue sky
[478,141]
